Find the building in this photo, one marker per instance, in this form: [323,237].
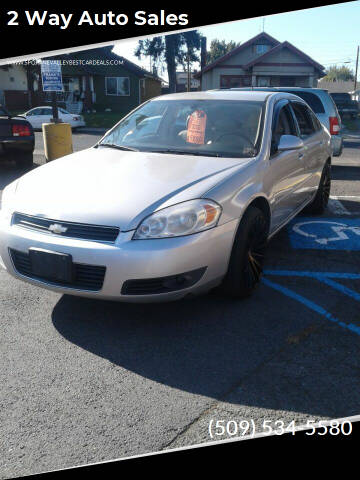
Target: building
[100,80]
[14,87]
[262,61]
[182,81]
[95,79]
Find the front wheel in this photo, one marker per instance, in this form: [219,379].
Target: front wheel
[319,204]
[247,256]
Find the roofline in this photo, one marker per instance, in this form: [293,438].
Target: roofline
[291,47]
[236,50]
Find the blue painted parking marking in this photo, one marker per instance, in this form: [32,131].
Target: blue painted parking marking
[325,233]
[324,277]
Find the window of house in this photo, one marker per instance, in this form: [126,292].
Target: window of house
[263,81]
[262,48]
[235,81]
[118,86]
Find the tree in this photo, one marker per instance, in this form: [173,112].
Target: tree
[218,48]
[174,49]
[343,73]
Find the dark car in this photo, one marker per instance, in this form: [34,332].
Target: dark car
[17,139]
[345,105]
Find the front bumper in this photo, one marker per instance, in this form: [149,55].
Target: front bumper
[129,259]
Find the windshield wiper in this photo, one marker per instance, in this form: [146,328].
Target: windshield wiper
[184,152]
[118,147]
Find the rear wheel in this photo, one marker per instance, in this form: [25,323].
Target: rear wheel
[247,256]
[319,204]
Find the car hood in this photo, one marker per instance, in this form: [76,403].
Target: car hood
[106,186]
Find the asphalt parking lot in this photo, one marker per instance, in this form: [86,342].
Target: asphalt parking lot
[84,381]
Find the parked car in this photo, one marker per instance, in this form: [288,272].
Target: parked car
[178,209]
[345,105]
[17,139]
[39,115]
[322,105]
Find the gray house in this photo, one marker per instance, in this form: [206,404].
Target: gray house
[262,61]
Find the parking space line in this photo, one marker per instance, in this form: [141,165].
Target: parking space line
[324,278]
[336,207]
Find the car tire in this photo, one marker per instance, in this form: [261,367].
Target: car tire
[319,204]
[25,160]
[247,256]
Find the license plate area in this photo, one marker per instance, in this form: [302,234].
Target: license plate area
[51,265]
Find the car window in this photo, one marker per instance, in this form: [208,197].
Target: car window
[63,111]
[36,111]
[304,120]
[311,99]
[194,126]
[284,126]
[46,111]
[315,120]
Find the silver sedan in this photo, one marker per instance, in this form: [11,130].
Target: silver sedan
[178,198]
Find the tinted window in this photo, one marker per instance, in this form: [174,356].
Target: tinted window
[303,117]
[311,99]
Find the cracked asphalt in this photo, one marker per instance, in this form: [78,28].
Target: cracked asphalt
[84,381]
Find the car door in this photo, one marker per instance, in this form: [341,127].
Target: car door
[310,131]
[33,116]
[286,169]
[45,116]
[65,116]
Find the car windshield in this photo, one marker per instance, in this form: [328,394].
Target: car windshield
[223,128]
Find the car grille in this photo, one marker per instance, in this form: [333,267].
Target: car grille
[85,277]
[73,230]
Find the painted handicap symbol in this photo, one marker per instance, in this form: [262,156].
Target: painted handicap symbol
[325,234]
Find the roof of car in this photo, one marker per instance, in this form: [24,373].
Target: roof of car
[281,89]
[219,95]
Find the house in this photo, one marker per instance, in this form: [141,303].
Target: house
[13,87]
[182,81]
[95,79]
[262,61]
[100,80]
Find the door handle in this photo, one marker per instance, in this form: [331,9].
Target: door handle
[301,156]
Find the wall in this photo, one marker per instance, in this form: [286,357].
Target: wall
[14,78]
[152,89]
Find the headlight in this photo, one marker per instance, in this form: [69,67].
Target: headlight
[182,219]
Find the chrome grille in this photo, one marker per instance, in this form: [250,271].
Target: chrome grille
[72,230]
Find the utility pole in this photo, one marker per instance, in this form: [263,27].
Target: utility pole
[188,74]
[356,70]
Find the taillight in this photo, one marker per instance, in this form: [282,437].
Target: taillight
[334,126]
[21,130]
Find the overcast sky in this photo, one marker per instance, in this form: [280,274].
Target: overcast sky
[329,34]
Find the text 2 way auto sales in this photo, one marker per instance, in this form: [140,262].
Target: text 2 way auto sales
[61,20]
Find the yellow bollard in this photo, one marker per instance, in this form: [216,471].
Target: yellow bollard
[57,140]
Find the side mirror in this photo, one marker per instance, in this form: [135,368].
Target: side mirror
[289,142]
